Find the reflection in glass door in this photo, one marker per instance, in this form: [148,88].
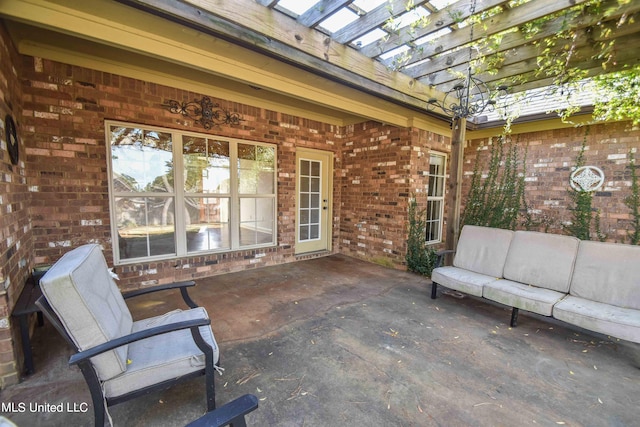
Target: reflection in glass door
[309,207]
[313,211]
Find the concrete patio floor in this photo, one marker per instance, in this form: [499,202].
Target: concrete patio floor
[338,341]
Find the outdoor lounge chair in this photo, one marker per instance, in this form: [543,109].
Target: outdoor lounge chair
[120,358]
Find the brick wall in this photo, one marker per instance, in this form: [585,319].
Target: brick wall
[550,157]
[382,167]
[16,243]
[64,112]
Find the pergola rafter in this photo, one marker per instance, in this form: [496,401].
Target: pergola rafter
[449,18]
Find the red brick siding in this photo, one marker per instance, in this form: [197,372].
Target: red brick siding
[64,112]
[550,157]
[16,242]
[382,167]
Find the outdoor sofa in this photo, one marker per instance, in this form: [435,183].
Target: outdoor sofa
[593,285]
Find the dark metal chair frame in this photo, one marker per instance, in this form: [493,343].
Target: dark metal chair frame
[434,286]
[231,413]
[83,358]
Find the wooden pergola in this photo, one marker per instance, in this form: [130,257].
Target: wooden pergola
[420,45]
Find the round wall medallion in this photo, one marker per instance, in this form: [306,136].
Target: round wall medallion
[13,147]
[587,178]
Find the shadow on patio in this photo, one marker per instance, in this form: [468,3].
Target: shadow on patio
[335,340]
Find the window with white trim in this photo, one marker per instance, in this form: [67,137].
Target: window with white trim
[435,198]
[175,193]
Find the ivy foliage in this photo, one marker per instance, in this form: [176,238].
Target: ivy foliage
[559,39]
[497,199]
[633,203]
[585,221]
[618,95]
[421,258]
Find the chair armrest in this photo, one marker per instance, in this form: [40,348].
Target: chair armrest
[177,285]
[229,413]
[441,255]
[193,324]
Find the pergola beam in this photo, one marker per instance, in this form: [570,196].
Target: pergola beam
[276,34]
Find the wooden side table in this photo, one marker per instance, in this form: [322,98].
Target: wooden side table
[25,306]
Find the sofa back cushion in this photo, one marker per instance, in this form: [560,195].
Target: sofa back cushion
[90,306]
[541,259]
[608,273]
[482,249]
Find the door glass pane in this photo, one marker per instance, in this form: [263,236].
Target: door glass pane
[309,200]
[304,216]
[305,167]
[146,226]
[141,161]
[304,201]
[256,221]
[207,165]
[315,200]
[208,224]
[314,232]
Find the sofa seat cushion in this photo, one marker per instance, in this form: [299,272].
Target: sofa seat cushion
[619,322]
[461,280]
[525,297]
[482,250]
[90,306]
[541,259]
[162,357]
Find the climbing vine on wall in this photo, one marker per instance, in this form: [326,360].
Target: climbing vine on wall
[420,257]
[497,199]
[633,203]
[585,221]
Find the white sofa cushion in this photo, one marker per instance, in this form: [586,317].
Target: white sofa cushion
[90,306]
[525,297]
[607,273]
[541,259]
[162,357]
[623,323]
[461,280]
[482,250]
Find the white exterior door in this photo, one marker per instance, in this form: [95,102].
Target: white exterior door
[313,201]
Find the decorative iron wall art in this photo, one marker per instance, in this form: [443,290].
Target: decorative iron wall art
[204,111]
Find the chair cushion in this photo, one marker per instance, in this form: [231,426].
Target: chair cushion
[483,250]
[90,306]
[525,297]
[608,273]
[461,280]
[541,259]
[162,357]
[623,323]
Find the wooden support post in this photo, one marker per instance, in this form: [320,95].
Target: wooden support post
[455,181]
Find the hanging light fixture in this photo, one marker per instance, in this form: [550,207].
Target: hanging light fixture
[470,96]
